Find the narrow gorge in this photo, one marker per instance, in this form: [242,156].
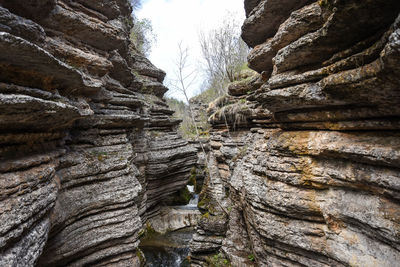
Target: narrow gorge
[300,167]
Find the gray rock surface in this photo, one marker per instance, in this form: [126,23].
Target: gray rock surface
[87,151]
[312,177]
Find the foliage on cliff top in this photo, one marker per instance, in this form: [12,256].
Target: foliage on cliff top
[224,53]
[224,57]
[206,96]
[218,260]
[178,106]
[142,35]
[182,197]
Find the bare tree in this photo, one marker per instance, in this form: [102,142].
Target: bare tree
[185,77]
[185,74]
[224,53]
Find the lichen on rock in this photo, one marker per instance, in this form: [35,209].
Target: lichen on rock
[311,178]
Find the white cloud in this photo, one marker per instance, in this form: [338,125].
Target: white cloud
[181,20]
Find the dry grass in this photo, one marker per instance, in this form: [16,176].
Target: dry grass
[218,103]
[235,114]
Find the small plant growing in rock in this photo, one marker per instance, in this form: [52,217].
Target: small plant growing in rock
[192,178]
[322,3]
[141,257]
[251,257]
[206,215]
[218,260]
[241,153]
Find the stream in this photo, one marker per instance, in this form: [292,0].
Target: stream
[171,249]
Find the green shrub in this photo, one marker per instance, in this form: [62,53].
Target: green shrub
[323,3]
[182,197]
[251,257]
[218,260]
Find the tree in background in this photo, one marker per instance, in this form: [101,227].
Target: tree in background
[141,35]
[224,54]
[185,76]
[186,128]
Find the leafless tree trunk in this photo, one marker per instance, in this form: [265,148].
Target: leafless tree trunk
[224,53]
[185,77]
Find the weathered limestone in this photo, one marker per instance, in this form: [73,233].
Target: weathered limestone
[318,181]
[265,18]
[175,218]
[88,148]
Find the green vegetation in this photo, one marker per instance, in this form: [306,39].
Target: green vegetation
[323,3]
[187,129]
[142,36]
[141,257]
[224,57]
[178,106]
[218,260]
[192,179]
[147,232]
[207,96]
[206,215]
[203,203]
[251,257]
[182,197]
[224,53]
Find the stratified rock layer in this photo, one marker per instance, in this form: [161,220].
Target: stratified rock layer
[88,149]
[317,182]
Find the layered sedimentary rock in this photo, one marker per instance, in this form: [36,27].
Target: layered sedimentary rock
[318,184]
[175,218]
[87,147]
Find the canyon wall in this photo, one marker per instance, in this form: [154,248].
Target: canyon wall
[88,148]
[304,166]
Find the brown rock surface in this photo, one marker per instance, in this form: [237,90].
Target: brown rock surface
[318,181]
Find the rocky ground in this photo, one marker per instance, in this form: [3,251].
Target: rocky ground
[88,147]
[308,173]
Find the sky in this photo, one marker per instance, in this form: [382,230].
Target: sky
[174,21]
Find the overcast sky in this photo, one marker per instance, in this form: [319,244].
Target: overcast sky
[181,20]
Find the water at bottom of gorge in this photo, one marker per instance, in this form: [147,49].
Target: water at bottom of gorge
[169,250]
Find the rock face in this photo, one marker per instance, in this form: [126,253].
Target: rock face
[88,148]
[318,181]
[175,218]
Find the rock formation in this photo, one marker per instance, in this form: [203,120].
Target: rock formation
[308,173]
[304,156]
[88,147]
